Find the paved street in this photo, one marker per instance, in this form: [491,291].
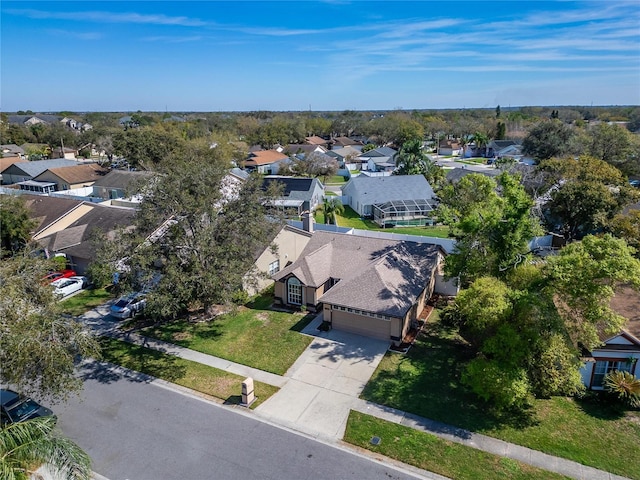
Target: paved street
[138,430]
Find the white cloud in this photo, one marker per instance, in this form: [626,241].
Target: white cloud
[109,17]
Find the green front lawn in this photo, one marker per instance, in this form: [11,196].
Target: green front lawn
[253,335]
[85,301]
[352,220]
[336,180]
[193,375]
[434,454]
[427,382]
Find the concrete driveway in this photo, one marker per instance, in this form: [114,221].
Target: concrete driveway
[325,382]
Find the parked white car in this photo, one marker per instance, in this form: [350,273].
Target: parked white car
[129,305]
[66,286]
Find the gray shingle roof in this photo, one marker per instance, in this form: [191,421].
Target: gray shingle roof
[376,275]
[121,179]
[384,189]
[33,169]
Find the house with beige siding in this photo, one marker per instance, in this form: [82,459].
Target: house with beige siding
[282,251]
[368,286]
[75,176]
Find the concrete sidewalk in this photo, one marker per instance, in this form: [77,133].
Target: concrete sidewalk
[324,384]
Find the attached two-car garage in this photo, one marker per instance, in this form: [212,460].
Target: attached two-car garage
[365,325]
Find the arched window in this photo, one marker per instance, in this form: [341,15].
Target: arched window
[294,291]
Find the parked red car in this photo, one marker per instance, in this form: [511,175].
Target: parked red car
[53,276]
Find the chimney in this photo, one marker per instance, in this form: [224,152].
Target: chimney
[307,221]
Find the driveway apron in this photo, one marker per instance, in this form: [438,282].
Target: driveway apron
[325,382]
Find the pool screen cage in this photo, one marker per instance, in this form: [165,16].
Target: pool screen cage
[398,213]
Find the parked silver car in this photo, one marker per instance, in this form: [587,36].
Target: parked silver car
[129,305]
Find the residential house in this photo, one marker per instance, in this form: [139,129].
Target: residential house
[12,150]
[6,162]
[347,157]
[73,232]
[66,152]
[118,184]
[302,150]
[75,176]
[620,350]
[368,286]
[284,249]
[449,147]
[395,200]
[494,147]
[341,142]
[19,172]
[319,141]
[382,159]
[299,194]
[454,175]
[266,161]
[33,119]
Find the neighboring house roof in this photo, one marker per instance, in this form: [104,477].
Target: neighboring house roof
[449,144]
[316,140]
[89,172]
[376,275]
[75,240]
[33,169]
[11,150]
[46,210]
[120,179]
[21,119]
[344,141]
[265,157]
[500,144]
[626,302]
[294,148]
[295,188]
[455,174]
[378,190]
[241,174]
[6,162]
[380,152]
[344,152]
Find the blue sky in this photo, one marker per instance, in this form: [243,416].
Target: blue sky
[331,55]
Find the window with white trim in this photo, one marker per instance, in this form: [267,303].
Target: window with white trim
[274,267]
[294,291]
[604,367]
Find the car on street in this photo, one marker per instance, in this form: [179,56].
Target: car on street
[129,305]
[51,277]
[16,408]
[64,287]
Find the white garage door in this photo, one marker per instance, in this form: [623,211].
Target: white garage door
[361,325]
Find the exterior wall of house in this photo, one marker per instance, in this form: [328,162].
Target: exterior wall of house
[13,175]
[64,222]
[290,244]
[630,360]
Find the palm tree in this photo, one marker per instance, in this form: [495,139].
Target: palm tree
[330,207]
[481,141]
[28,445]
[624,385]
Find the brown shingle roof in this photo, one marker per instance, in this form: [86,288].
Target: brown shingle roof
[6,162]
[46,210]
[376,275]
[316,140]
[626,302]
[265,157]
[89,172]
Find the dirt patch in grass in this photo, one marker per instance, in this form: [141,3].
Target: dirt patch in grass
[263,317]
[179,336]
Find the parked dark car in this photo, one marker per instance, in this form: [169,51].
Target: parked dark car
[16,408]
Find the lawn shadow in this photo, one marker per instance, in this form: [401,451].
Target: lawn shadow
[427,382]
[303,322]
[601,405]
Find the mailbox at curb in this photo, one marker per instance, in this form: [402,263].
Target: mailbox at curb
[248,396]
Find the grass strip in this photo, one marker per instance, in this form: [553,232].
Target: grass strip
[254,336]
[437,455]
[196,376]
[84,301]
[427,382]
